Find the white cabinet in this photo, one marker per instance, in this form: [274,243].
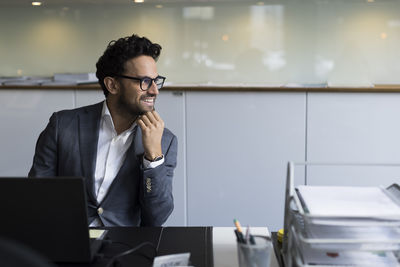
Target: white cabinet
[233,147]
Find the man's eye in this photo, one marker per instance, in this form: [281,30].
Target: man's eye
[146,81]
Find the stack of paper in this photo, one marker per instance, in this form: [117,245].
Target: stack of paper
[351,226]
[24,80]
[351,202]
[77,78]
[350,258]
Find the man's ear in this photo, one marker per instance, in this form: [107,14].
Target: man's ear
[112,85]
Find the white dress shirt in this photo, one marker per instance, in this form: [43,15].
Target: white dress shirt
[111,153]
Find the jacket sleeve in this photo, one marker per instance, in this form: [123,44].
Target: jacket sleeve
[156,198]
[45,158]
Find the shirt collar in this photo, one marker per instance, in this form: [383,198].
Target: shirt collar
[106,115]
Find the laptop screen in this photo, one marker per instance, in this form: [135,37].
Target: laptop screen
[48,215]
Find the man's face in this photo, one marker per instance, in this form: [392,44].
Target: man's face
[131,98]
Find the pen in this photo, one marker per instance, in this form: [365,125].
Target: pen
[252,241]
[247,234]
[239,237]
[237,224]
[249,237]
[238,231]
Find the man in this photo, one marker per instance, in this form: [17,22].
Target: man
[120,145]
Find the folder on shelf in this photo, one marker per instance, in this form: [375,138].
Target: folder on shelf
[349,202]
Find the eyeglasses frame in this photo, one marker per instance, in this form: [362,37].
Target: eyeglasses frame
[141,80]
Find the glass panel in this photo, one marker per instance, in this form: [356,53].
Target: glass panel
[353,42]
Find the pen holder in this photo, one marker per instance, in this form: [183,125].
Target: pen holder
[257,254]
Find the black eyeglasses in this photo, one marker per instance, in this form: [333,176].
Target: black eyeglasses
[146,82]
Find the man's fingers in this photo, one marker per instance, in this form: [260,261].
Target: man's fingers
[141,123]
[152,127]
[145,120]
[156,115]
[151,117]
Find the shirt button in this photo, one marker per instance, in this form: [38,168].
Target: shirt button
[100,211]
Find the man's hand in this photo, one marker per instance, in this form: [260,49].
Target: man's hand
[152,129]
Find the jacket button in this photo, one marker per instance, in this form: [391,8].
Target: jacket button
[148,185]
[100,211]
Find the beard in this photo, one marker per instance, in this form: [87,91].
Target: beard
[131,109]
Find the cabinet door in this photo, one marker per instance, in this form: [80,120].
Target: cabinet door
[349,128]
[88,97]
[238,146]
[23,115]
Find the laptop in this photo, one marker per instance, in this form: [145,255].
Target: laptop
[48,215]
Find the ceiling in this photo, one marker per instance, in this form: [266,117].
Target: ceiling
[122,2]
[76,2]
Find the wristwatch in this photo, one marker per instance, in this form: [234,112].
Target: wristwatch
[156,158]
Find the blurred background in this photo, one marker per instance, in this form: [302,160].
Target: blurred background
[352,42]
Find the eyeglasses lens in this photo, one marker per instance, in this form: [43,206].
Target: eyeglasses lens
[159,82]
[146,83]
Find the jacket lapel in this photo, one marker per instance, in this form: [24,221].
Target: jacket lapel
[133,161]
[89,125]
[134,153]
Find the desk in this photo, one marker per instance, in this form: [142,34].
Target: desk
[196,240]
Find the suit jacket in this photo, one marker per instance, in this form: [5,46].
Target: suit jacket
[68,147]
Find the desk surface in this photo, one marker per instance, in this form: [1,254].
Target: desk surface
[170,240]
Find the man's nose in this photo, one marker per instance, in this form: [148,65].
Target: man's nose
[153,89]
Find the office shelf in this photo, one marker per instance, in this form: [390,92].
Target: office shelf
[319,240]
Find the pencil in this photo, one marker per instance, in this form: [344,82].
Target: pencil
[237,224]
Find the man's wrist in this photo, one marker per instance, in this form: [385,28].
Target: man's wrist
[153,158]
[147,164]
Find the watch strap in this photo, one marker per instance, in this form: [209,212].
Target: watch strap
[156,158]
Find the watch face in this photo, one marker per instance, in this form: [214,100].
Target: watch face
[158,158]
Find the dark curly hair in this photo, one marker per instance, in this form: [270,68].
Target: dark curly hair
[118,52]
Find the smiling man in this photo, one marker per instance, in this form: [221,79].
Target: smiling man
[120,145]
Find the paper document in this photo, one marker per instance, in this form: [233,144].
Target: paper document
[78,78]
[350,258]
[306,85]
[353,202]
[97,233]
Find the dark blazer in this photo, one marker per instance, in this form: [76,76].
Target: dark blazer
[136,197]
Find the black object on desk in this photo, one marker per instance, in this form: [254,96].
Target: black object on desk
[48,215]
[168,240]
[277,248]
[197,240]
